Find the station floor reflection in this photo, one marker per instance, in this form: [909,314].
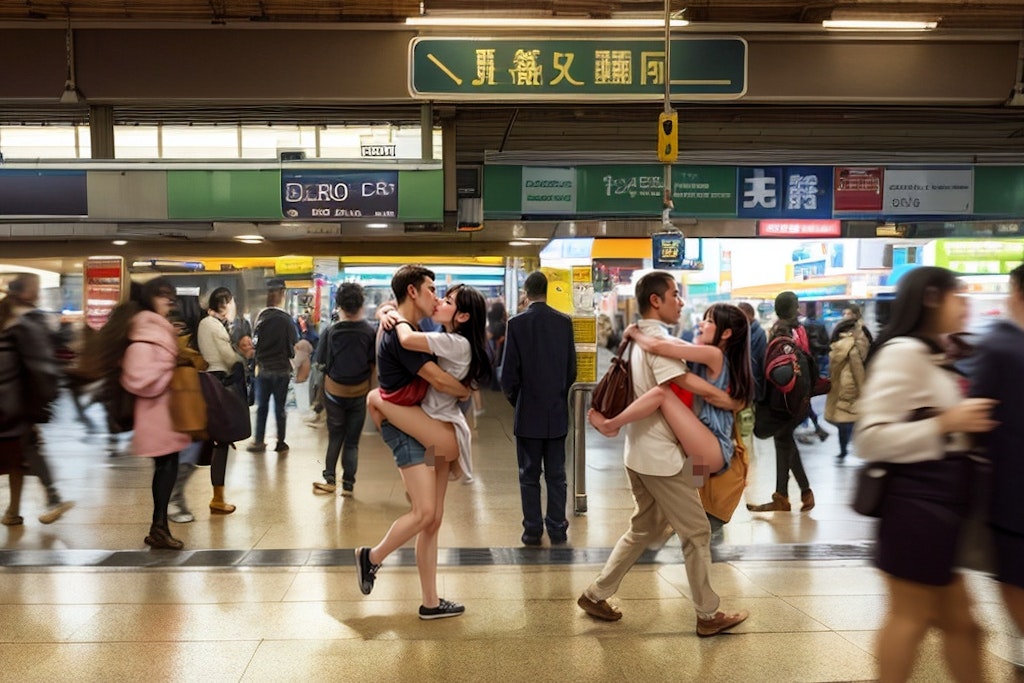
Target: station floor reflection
[269,592]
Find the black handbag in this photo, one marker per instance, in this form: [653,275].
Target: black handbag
[227,413]
[615,390]
[869,496]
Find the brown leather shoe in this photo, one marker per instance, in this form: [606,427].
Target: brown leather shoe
[807,498]
[160,538]
[722,621]
[779,503]
[600,609]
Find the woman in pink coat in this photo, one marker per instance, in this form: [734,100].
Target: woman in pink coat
[146,372]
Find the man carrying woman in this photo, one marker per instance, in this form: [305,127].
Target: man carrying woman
[424,440]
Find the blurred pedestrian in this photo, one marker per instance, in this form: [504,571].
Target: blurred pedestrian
[147,369]
[33,338]
[913,414]
[997,372]
[848,355]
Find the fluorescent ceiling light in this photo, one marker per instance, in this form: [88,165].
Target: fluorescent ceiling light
[877,25]
[377,226]
[249,238]
[250,241]
[519,243]
[119,243]
[513,22]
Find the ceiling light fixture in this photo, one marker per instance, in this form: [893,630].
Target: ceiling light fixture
[377,226]
[119,243]
[514,22]
[519,243]
[878,25]
[250,241]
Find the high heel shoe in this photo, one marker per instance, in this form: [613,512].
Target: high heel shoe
[160,538]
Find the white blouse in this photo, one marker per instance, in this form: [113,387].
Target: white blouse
[215,345]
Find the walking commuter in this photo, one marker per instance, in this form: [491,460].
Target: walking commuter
[997,372]
[913,414]
[538,368]
[347,356]
[404,377]
[661,478]
[274,338]
[28,385]
[787,454]
[185,316]
[146,372]
[847,357]
[34,340]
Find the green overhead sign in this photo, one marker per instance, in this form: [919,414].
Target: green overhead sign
[701,68]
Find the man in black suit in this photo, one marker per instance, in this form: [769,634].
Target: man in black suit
[538,368]
[997,371]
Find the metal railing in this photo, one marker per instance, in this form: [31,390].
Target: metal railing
[579,403]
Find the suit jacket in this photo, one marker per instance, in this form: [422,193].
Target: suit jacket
[538,368]
[996,370]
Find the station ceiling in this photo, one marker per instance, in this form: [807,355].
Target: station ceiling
[954,14]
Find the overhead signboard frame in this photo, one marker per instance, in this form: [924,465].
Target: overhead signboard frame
[548,69]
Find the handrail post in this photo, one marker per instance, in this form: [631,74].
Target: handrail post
[579,402]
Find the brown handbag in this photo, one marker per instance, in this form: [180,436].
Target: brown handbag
[721,493]
[615,390]
[188,407]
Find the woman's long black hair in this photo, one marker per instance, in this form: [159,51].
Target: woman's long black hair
[919,295]
[737,348]
[470,301]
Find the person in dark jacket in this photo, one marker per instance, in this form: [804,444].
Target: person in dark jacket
[758,347]
[348,358]
[26,329]
[275,336]
[997,372]
[538,368]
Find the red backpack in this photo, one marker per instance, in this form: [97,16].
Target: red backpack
[789,371]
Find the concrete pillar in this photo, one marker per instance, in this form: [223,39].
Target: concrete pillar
[101,131]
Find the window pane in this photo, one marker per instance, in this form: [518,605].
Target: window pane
[200,142]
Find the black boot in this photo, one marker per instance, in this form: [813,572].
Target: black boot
[160,538]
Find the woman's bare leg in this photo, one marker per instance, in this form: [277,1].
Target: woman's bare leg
[426,542]
[961,635]
[911,609]
[373,401]
[697,440]
[420,485]
[433,434]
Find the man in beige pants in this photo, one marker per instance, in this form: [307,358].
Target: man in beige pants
[661,478]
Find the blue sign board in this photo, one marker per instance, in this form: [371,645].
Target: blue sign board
[333,195]
[784,192]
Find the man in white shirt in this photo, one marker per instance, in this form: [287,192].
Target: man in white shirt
[661,478]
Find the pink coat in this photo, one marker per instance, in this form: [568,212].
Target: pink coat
[146,372]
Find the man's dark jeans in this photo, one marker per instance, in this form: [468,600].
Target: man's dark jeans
[267,385]
[345,418]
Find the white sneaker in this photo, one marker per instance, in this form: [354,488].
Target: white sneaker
[179,514]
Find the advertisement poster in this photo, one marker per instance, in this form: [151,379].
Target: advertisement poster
[549,190]
[560,291]
[928,191]
[759,192]
[704,190]
[858,189]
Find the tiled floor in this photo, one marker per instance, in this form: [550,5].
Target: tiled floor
[269,593]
